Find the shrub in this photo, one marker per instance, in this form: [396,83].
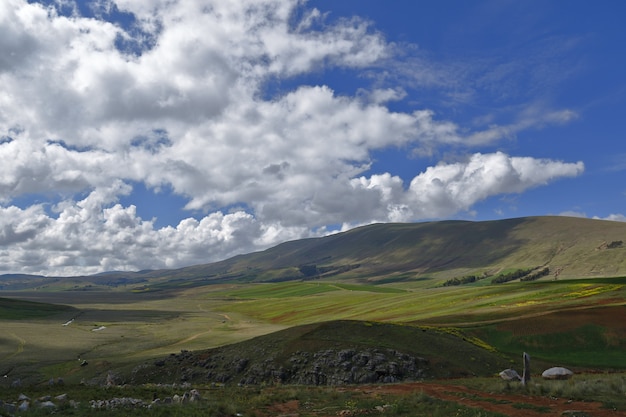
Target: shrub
[536,275]
[519,273]
[468,279]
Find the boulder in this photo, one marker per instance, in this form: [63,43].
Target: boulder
[510,375]
[9,408]
[23,406]
[194,395]
[47,404]
[557,372]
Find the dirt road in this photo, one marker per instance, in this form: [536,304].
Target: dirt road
[514,405]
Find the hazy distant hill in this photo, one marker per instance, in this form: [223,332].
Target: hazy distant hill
[576,246]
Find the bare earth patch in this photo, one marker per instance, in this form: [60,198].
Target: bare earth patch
[513,405]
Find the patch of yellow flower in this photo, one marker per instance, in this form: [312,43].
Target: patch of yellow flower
[456,332]
[526,303]
[587,290]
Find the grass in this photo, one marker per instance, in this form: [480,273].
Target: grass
[282,290]
[503,317]
[297,352]
[324,401]
[369,288]
[573,322]
[290,304]
[590,337]
[230,401]
[303,289]
[607,388]
[140,326]
[11,309]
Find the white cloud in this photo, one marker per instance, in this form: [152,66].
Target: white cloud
[87,238]
[80,119]
[613,217]
[446,189]
[571,213]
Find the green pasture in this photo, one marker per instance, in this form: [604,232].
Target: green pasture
[369,288]
[11,309]
[303,289]
[119,328]
[282,290]
[587,346]
[476,311]
[111,330]
[298,303]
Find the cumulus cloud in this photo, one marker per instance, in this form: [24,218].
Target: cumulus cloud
[177,98]
[613,217]
[446,189]
[572,213]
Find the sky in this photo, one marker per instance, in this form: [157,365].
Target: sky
[146,134]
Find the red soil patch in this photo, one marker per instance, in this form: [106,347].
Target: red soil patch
[566,320]
[513,405]
[288,409]
[501,403]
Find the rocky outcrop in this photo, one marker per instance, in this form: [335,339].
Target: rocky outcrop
[25,403]
[322,367]
[61,402]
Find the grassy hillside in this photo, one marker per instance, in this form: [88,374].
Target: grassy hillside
[387,253]
[392,274]
[335,353]
[11,309]
[407,252]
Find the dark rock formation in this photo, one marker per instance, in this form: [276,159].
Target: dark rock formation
[323,367]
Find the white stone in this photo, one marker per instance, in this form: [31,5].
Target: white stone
[557,372]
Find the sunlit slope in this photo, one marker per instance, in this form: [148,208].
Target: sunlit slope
[578,247]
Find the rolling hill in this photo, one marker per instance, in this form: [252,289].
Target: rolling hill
[576,247]
[330,353]
[390,274]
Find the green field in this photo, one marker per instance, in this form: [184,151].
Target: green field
[12,309]
[119,328]
[538,317]
[249,304]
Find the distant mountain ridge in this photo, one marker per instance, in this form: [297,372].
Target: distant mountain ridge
[577,247]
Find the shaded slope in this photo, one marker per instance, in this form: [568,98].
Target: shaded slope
[12,309]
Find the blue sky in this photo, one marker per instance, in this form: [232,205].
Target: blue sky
[139,134]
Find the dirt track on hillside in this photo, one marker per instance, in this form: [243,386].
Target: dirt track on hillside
[513,405]
[507,404]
